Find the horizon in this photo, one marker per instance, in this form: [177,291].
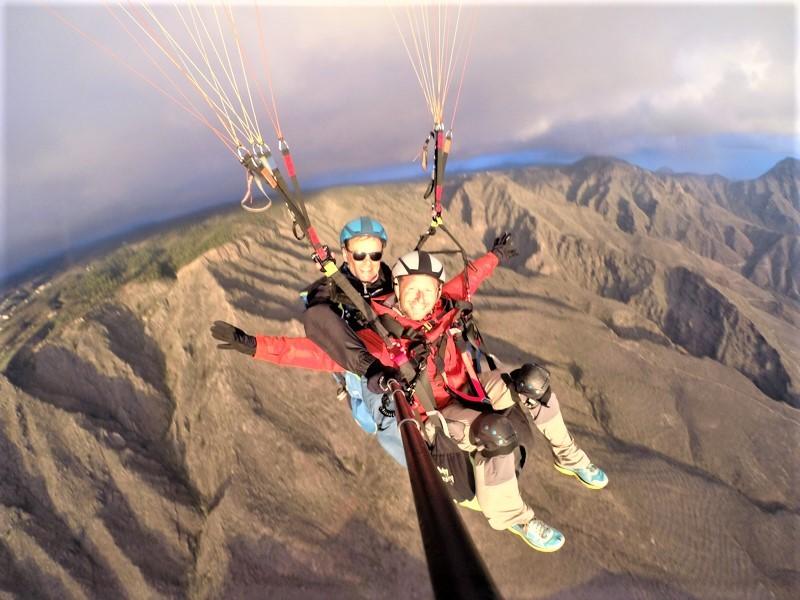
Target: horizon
[398,174]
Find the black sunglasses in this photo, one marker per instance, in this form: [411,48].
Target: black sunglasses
[373,256]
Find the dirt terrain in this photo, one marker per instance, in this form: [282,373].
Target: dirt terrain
[137,461]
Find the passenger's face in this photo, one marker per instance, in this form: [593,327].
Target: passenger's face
[365,269]
[418,295]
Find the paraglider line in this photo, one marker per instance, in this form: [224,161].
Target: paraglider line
[141,76]
[265,59]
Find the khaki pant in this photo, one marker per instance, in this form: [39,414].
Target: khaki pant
[496,484]
[549,421]
[495,478]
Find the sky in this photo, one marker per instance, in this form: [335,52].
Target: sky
[90,150]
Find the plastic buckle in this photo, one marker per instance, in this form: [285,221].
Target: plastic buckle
[325,262]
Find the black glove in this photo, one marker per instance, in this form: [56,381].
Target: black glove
[504,248]
[234,338]
[378,376]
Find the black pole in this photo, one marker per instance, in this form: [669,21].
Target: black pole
[456,569]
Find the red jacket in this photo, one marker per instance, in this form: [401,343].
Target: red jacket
[302,352]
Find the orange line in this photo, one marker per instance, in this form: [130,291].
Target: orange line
[464,68]
[194,111]
[265,60]
[144,78]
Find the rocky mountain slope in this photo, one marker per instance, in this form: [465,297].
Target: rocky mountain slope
[737,224]
[139,461]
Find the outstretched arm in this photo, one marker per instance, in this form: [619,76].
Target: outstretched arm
[478,270]
[294,352]
[279,350]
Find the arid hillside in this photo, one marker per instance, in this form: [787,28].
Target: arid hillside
[138,461]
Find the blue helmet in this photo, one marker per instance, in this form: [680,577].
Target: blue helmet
[362,226]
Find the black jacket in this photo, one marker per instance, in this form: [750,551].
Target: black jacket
[331,320]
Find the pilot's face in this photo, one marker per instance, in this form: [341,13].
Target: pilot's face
[418,295]
[363,255]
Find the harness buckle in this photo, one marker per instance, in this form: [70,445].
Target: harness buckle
[324,260]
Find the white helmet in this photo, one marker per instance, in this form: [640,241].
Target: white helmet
[417,263]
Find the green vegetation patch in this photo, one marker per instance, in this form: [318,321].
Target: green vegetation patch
[158,257]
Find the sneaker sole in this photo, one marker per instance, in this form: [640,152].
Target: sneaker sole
[572,473]
[470,504]
[519,534]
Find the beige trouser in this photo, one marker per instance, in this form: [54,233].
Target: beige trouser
[549,421]
[496,484]
[495,477]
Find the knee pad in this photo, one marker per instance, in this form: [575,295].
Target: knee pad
[494,434]
[532,381]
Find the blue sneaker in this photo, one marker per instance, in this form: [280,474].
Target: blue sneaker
[592,477]
[539,536]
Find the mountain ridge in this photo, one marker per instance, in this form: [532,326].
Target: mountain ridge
[142,461]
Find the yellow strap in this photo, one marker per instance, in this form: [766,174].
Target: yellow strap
[329,268]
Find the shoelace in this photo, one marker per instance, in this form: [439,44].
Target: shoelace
[542,530]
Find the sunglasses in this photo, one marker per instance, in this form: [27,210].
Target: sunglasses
[373,256]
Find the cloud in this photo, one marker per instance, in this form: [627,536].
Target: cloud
[704,86]
[89,142]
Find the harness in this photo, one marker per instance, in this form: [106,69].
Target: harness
[430,341]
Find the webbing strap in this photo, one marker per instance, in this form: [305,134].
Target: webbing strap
[475,339]
[423,349]
[436,224]
[477,387]
[414,376]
